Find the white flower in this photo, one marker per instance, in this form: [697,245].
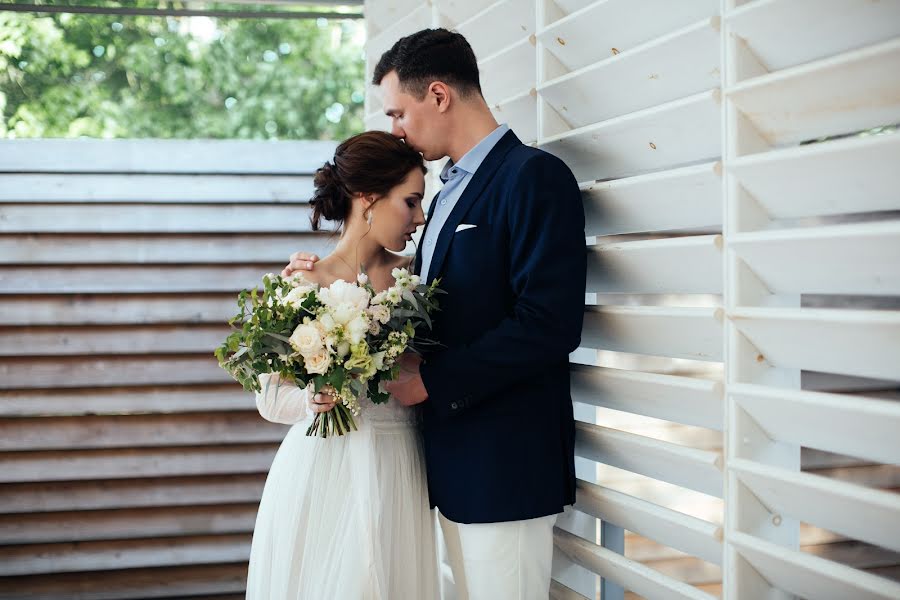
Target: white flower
[341,292]
[318,363]
[362,279]
[356,329]
[378,359]
[414,281]
[394,295]
[345,312]
[327,321]
[297,295]
[343,349]
[380,313]
[306,339]
[380,297]
[374,327]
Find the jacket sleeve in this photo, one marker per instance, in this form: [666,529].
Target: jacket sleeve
[281,401]
[547,278]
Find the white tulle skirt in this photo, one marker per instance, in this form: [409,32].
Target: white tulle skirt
[346,517]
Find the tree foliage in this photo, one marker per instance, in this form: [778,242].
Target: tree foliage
[70,75]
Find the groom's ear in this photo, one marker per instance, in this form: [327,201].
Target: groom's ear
[439,93]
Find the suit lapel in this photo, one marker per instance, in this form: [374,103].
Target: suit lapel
[474,189]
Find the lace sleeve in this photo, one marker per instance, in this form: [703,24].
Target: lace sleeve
[281,401]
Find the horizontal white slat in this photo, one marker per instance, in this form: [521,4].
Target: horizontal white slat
[459,10]
[520,113]
[699,470]
[683,198]
[843,94]
[570,6]
[855,511]
[692,333]
[591,33]
[130,493]
[68,372]
[381,15]
[662,137]
[770,28]
[143,278]
[72,465]
[841,259]
[133,431]
[685,400]
[682,265]
[849,342]
[48,187]
[50,341]
[809,576]
[830,178]
[163,156]
[832,422]
[500,24]
[630,574]
[672,528]
[156,249]
[559,591]
[508,72]
[125,524]
[676,65]
[211,582]
[124,401]
[403,23]
[122,554]
[158,218]
[116,309]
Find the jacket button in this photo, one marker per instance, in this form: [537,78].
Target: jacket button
[454,405]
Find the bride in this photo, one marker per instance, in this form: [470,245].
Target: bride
[347,517]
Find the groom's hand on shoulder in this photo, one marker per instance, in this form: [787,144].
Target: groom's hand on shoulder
[300,261]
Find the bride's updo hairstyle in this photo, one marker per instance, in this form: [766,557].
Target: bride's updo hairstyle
[373,162]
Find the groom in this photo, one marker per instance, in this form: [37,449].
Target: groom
[506,237]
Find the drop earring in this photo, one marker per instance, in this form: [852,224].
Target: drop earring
[369,217]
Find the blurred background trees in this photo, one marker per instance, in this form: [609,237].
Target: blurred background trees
[115,76]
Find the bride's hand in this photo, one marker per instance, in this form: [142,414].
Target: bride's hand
[320,403]
[299,261]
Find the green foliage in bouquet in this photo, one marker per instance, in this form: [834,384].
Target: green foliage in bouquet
[344,339]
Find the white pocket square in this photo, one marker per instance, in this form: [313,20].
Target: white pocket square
[464,227]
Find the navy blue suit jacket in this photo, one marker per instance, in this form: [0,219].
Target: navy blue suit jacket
[498,427]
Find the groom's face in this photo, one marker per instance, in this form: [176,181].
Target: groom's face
[413,120]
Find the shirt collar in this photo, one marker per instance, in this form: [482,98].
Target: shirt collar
[472,159]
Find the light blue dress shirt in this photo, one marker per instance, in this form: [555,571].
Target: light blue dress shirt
[456,178]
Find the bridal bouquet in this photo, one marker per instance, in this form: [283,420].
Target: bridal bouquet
[343,339]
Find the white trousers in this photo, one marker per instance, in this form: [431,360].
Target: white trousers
[498,561]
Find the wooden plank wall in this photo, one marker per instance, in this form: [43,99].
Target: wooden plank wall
[130,465]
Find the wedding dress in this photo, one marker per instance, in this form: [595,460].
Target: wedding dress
[345,517]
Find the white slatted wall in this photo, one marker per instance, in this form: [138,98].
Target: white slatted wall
[130,466]
[737,386]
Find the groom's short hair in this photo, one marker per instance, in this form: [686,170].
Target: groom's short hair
[431,55]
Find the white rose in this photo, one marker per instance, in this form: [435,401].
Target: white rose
[306,339]
[356,329]
[362,279]
[318,363]
[341,292]
[343,349]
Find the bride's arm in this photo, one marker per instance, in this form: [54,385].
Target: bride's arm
[281,401]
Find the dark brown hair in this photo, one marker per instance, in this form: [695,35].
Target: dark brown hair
[431,55]
[373,162]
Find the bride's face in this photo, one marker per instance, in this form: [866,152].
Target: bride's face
[396,216]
